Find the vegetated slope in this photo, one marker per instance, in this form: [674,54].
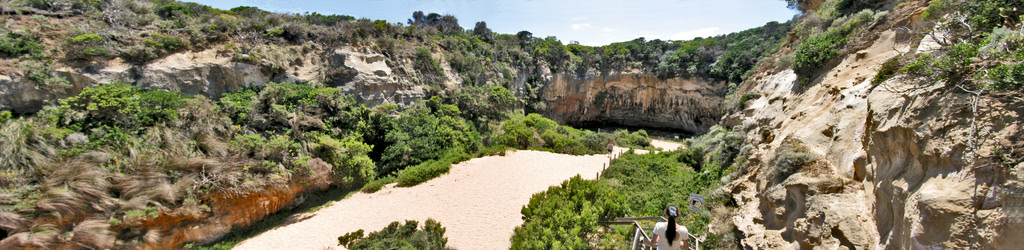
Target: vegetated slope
[891,124]
[158,123]
[196,49]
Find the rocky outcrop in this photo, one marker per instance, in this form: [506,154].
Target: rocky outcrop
[213,72]
[23,95]
[896,165]
[369,78]
[634,99]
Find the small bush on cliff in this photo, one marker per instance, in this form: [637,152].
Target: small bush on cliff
[87,47]
[17,43]
[790,158]
[815,52]
[399,236]
[429,67]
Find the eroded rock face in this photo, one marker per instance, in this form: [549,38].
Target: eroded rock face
[893,168]
[23,95]
[634,99]
[369,78]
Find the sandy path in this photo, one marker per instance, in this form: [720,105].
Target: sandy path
[478,203]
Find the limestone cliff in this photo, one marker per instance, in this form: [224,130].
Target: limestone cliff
[634,99]
[898,164]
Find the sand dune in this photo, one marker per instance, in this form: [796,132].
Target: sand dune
[478,202]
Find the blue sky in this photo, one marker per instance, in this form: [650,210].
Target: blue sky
[591,22]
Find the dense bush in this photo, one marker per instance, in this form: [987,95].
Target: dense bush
[429,67]
[121,105]
[536,132]
[430,169]
[399,236]
[348,157]
[567,216]
[18,43]
[814,53]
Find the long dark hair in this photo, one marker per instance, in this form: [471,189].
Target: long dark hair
[670,230]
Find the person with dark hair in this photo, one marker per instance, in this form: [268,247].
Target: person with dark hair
[675,236]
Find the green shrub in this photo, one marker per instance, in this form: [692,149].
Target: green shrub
[424,133]
[888,70]
[174,10]
[18,43]
[5,116]
[638,139]
[790,158]
[423,172]
[567,216]
[920,67]
[517,135]
[957,60]
[376,184]
[815,52]
[87,46]
[119,104]
[349,158]
[430,68]
[1006,77]
[164,44]
[238,105]
[746,97]
[398,236]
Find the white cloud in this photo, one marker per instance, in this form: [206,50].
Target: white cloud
[579,26]
[690,34]
[606,30]
[580,18]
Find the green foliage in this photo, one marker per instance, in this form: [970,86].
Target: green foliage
[638,139]
[349,238]
[790,158]
[376,184]
[18,43]
[747,97]
[349,158]
[399,236]
[567,216]
[238,104]
[88,46]
[422,172]
[430,169]
[119,104]
[430,68]
[956,61]
[5,116]
[168,44]
[1006,77]
[426,132]
[174,10]
[650,182]
[887,71]
[86,38]
[920,67]
[816,52]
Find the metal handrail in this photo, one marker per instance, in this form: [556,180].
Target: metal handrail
[640,234]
